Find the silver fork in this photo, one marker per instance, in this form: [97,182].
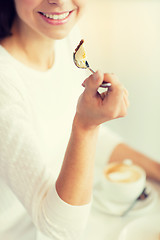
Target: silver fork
[104,84]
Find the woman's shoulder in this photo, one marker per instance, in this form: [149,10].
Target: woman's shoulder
[6,66]
[7,75]
[7,69]
[10,84]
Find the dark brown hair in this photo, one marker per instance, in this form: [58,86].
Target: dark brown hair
[7,15]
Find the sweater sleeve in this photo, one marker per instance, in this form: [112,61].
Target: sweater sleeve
[23,168]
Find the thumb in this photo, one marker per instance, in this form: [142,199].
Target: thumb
[93,82]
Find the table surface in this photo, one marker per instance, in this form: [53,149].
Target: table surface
[102,226]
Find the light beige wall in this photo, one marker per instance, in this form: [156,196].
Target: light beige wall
[124,37]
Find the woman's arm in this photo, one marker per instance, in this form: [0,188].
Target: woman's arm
[24,169]
[123,151]
[74,184]
[23,165]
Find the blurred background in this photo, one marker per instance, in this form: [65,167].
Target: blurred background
[123,37]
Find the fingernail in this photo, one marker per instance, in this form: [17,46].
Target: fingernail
[83,84]
[95,75]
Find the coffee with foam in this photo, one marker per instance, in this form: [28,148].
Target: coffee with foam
[122,173]
[123,182]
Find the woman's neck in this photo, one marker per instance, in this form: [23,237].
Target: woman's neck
[29,47]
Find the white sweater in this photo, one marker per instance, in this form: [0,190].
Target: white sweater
[36,113]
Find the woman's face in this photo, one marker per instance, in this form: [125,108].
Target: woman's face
[50,18]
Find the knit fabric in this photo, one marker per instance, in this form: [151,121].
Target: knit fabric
[36,113]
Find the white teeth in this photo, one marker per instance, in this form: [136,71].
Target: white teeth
[56,16]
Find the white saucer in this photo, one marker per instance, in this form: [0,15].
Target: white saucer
[142,229]
[103,204]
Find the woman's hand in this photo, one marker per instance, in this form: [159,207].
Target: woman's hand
[94,108]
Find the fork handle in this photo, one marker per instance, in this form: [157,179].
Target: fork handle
[90,69]
[104,84]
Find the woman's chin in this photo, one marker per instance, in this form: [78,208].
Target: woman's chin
[57,35]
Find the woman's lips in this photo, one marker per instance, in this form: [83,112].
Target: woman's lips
[56,18]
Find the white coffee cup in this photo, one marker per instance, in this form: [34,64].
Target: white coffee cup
[123,182]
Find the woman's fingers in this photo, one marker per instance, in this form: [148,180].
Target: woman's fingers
[104,94]
[92,83]
[111,104]
[124,104]
[116,99]
[111,78]
[125,96]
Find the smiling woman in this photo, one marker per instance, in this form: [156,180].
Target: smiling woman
[42,16]
[48,130]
